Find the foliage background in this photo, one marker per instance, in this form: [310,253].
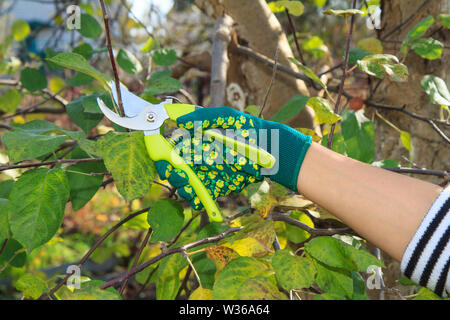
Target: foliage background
[68,195]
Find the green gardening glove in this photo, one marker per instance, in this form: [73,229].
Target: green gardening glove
[219,179]
[287,145]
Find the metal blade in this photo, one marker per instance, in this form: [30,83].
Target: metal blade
[149,119]
[132,104]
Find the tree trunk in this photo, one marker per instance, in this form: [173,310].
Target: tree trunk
[248,79]
[429,149]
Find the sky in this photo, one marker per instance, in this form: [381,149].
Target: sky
[140,6]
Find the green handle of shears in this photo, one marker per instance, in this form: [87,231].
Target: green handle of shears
[160,149]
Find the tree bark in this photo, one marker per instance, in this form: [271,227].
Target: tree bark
[429,149]
[247,79]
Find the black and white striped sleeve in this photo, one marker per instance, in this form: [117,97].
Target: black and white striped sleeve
[426,260]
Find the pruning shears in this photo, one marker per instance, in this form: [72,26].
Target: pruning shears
[147,117]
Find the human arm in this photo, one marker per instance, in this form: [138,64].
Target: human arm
[384,207]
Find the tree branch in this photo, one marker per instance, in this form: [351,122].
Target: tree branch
[96,245]
[315,232]
[111,57]
[169,252]
[344,75]
[369,103]
[48,163]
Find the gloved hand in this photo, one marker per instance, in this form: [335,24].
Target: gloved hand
[235,172]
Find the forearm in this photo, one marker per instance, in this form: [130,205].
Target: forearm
[384,207]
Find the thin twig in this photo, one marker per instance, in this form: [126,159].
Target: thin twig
[344,75]
[111,57]
[3,246]
[398,27]
[175,239]
[169,252]
[136,259]
[294,33]
[272,80]
[96,245]
[315,232]
[48,163]
[369,103]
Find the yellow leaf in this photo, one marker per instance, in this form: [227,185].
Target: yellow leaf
[56,84]
[201,294]
[372,45]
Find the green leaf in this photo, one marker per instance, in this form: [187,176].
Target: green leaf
[427,48]
[4,224]
[90,104]
[90,290]
[85,120]
[358,133]
[319,3]
[83,186]
[164,57]
[343,13]
[420,28]
[206,269]
[235,274]
[406,281]
[334,282]
[126,157]
[36,217]
[444,18]
[33,79]
[77,62]
[338,145]
[381,65]
[291,108]
[260,288]
[10,66]
[31,286]
[168,279]
[20,30]
[295,8]
[10,100]
[337,254]
[28,144]
[357,54]
[436,89]
[128,62]
[80,79]
[295,234]
[84,49]
[161,82]
[5,188]
[309,73]
[405,138]
[150,44]
[324,111]
[13,255]
[315,47]
[292,272]
[426,294]
[359,287]
[90,28]
[50,53]
[386,163]
[166,219]
[254,110]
